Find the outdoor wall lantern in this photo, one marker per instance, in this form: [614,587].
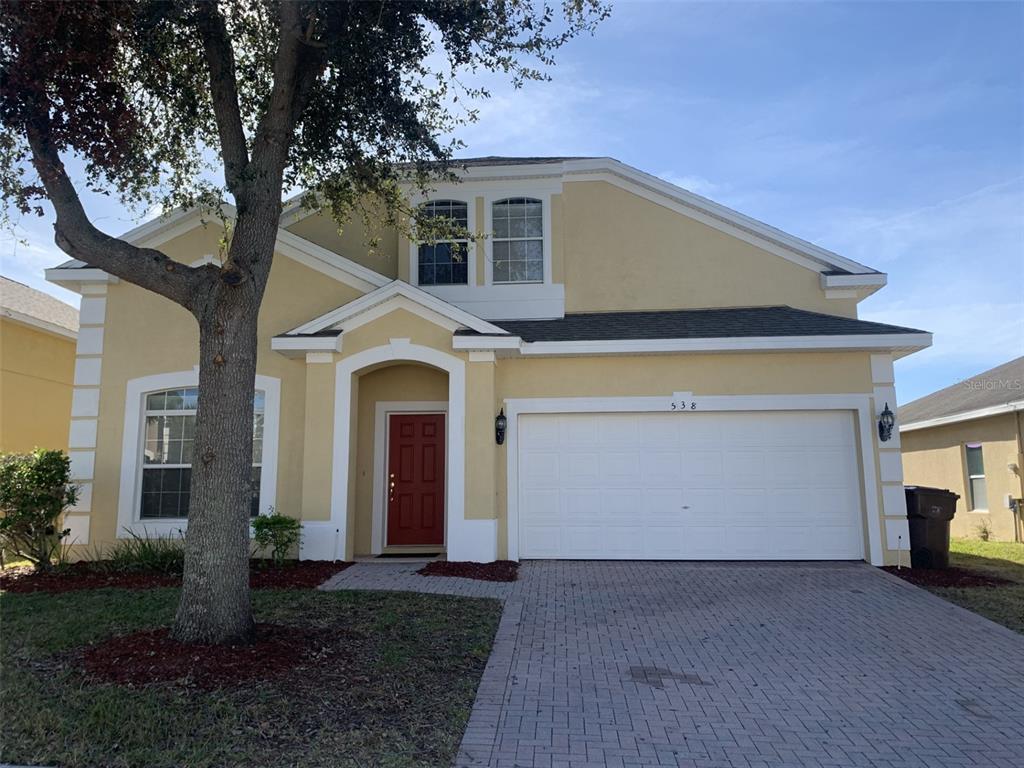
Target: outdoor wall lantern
[500,424]
[886,421]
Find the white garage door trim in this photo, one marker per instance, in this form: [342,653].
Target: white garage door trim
[860,404]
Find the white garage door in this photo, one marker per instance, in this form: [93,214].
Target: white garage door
[779,485]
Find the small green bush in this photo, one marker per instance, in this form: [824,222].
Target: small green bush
[279,533]
[165,554]
[35,489]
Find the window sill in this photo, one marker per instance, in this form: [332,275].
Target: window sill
[978,511]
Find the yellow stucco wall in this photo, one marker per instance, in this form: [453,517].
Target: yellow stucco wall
[935,457]
[145,334]
[625,252]
[353,241]
[37,370]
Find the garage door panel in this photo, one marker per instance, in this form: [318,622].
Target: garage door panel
[695,485]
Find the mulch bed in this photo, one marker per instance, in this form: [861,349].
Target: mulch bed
[301,574]
[948,577]
[499,570]
[151,656]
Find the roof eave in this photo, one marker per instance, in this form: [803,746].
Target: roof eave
[956,418]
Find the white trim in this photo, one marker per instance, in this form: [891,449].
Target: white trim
[92,310]
[298,346]
[881,369]
[85,403]
[381,436]
[154,233]
[979,413]
[859,403]
[131,448]
[316,358]
[73,272]
[903,342]
[396,288]
[486,356]
[504,301]
[873,280]
[78,529]
[87,371]
[82,433]
[37,323]
[90,340]
[328,262]
[458,544]
[535,192]
[455,194]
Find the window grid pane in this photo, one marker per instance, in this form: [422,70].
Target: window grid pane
[518,247]
[445,262]
[168,437]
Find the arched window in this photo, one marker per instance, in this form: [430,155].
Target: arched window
[518,247]
[169,433]
[445,262]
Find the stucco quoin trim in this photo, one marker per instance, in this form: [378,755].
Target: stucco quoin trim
[131,449]
[464,539]
[859,404]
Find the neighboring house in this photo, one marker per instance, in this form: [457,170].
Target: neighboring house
[679,381]
[37,368]
[967,438]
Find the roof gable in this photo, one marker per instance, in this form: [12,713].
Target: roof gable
[997,389]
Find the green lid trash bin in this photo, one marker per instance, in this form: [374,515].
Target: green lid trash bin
[929,511]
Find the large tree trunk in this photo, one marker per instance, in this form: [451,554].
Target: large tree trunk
[215,605]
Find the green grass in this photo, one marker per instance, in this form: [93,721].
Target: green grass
[398,694]
[1004,605]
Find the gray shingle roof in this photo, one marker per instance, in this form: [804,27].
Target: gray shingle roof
[19,298]
[998,386]
[692,324]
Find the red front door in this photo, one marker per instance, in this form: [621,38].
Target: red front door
[416,478]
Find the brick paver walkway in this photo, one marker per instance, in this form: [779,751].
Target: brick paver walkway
[733,665]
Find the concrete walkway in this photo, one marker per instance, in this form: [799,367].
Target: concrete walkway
[732,665]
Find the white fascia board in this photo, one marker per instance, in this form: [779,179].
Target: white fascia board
[906,341]
[478,343]
[298,346]
[848,286]
[955,418]
[38,324]
[391,290]
[329,262]
[819,256]
[69,275]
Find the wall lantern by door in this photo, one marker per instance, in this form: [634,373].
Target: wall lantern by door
[886,421]
[500,424]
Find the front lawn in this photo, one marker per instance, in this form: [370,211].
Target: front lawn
[391,683]
[1004,560]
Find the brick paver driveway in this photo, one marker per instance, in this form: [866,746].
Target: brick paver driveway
[707,664]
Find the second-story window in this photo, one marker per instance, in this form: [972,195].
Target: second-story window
[445,262]
[518,248]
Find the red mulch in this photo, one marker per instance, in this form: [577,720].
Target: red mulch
[947,577]
[499,570]
[301,574]
[151,656]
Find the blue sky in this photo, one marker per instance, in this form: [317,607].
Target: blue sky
[892,133]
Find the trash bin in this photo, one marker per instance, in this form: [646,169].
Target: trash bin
[929,511]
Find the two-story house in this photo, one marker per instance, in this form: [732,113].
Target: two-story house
[616,368]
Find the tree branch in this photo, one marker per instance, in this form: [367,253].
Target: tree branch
[220,59]
[77,237]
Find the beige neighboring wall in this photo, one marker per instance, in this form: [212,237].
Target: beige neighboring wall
[145,334]
[935,457]
[624,252]
[399,382]
[352,241]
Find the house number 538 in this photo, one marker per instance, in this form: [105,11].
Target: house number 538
[684,405]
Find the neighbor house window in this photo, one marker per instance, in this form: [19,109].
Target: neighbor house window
[445,262]
[518,247]
[167,453]
[976,491]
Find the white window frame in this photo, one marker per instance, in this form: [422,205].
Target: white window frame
[129,520]
[545,215]
[494,196]
[455,196]
[972,503]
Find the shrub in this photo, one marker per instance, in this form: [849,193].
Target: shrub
[984,529]
[165,554]
[34,492]
[277,532]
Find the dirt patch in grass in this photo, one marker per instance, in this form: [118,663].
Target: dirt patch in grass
[298,574]
[152,656]
[499,570]
[946,578]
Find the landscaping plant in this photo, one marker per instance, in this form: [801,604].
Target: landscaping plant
[163,554]
[35,489]
[276,532]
